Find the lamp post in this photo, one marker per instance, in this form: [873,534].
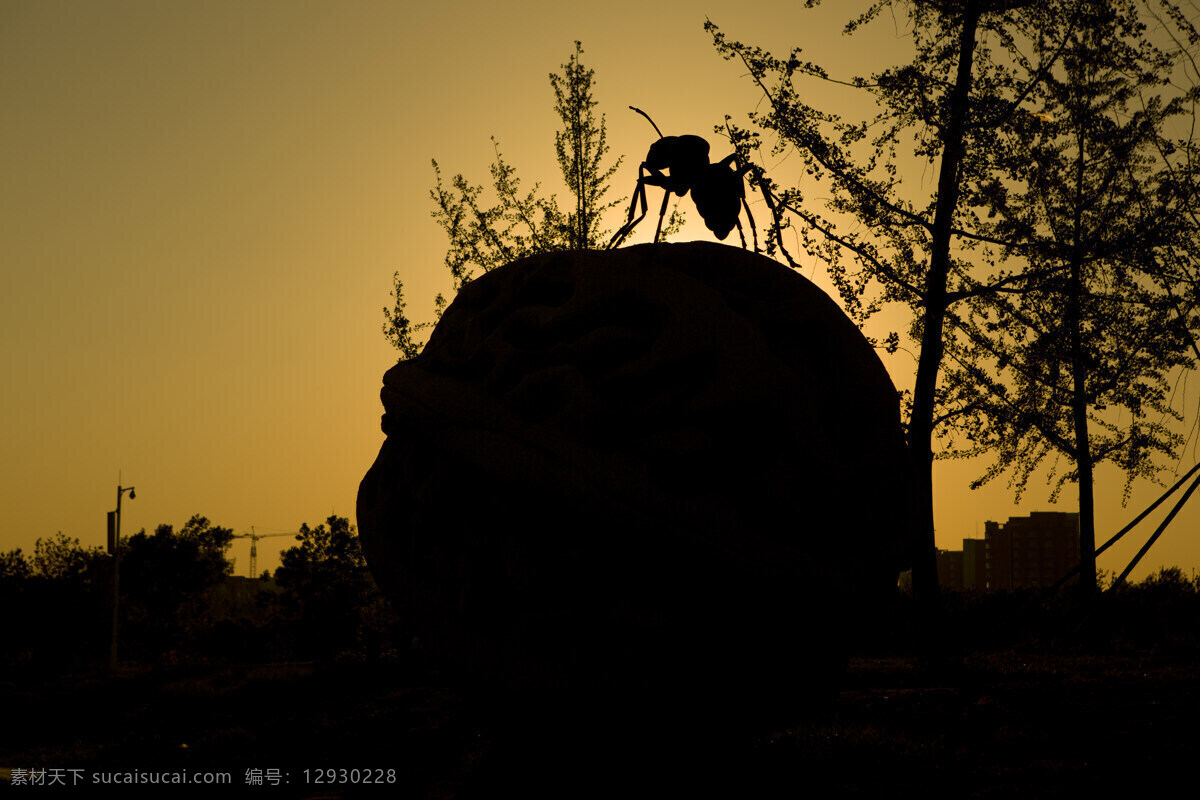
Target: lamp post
[114,547]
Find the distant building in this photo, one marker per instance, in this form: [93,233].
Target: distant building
[1024,553]
[1031,552]
[974,562]
[950,569]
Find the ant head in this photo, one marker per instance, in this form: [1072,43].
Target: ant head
[662,153]
[688,153]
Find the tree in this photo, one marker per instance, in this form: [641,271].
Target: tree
[398,329]
[162,568]
[323,555]
[1080,366]
[523,223]
[15,582]
[64,596]
[581,147]
[969,101]
[954,104]
[63,558]
[162,573]
[330,586]
[13,566]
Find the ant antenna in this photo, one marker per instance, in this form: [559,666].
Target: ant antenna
[647,116]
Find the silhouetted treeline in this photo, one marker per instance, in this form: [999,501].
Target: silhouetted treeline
[181,604]
[1158,616]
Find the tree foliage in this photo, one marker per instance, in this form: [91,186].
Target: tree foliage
[329,606]
[1079,366]
[1098,199]
[973,102]
[57,604]
[63,558]
[14,566]
[163,578]
[580,146]
[161,570]
[952,105]
[324,556]
[332,590]
[522,222]
[401,332]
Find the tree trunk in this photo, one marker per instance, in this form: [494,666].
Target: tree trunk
[920,426]
[1079,397]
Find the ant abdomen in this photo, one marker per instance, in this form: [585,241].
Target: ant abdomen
[718,195]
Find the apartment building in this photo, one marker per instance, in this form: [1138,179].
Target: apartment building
[1024,553]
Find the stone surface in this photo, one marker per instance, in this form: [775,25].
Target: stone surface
[663,472]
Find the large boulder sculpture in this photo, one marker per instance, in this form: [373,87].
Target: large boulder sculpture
[666,472]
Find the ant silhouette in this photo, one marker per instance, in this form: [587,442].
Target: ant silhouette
[717,189]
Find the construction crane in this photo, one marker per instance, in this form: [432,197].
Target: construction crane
[254,537]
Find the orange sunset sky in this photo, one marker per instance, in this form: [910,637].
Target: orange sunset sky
[203,204]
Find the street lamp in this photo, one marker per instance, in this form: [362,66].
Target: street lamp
[114,548]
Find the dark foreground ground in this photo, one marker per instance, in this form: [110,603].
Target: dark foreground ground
[1004,724]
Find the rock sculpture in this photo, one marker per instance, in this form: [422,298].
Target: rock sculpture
[667,472]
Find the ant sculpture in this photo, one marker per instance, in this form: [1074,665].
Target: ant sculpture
[717,189]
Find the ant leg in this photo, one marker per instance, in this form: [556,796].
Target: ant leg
[662,212]
[638,193]
[740,170]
